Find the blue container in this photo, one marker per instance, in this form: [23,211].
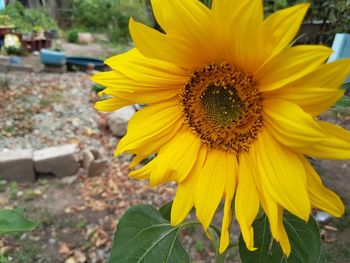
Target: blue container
[15,60]
[52,57]
[82,63]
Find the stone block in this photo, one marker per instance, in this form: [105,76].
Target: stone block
[60,160]
[85,38]
[17,165]
[4,60]
[93,162]
[118,120]
[20,68]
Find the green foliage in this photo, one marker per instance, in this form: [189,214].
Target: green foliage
[109,16]
[336,13]
[143,235]
[97,88]
[343,103]
[346,86]
[12,222]
[13,50]
[333,16]
[271,6]
[304,238]
[72,35]
[165,210]
[206,2]
[25,19]
[5,21]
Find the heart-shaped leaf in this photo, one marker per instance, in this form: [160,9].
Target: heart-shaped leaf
[304,238]
[165,210]
[143,235]
[12,221]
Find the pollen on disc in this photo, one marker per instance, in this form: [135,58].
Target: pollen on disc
[223,107]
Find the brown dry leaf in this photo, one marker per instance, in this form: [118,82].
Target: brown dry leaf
[122,204]
[3,201]
[71,260]
[76,208]
[74,141]
[102,238]
[98,205]
[331,228]
[113,186]
[88,131]
[68,210]
[64,249]
[330,240]
[38,192]
[79,256]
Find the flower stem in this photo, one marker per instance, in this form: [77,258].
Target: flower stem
[220,258]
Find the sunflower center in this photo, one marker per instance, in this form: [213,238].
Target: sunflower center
[223,107]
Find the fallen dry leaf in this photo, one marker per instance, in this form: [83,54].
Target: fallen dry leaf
[79,256]
[331,228]
[71,260]
[64,249]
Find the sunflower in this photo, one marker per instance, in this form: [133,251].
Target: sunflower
[231,109]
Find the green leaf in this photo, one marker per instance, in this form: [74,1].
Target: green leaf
[304,238]
[346,86]
[12,221]
[143,235]
[165,210]
[207,3]
[343,103]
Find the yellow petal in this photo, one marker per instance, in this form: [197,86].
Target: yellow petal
[150,128]
[183,17]
[283,175]
[210,187]
[290,65]
[271,208]
[230,187]
[280,28]
[158,12]
[189,20]
[283,237]
[274,214]
[320,196]
[149,96]
[184,198]
[111,104]
[136,160]
[247,200]
[247,37]
[290,125]
[226,223]
[135,66]
[156,45]
[225,28]
[124,88]
[226,8]
[176,158]
[144,172]
[319,90]
[335,146]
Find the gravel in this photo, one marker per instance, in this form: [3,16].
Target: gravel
[38,110]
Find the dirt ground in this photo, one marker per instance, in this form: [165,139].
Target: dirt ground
[77,215]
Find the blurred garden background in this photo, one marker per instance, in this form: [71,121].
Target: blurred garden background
[61,148]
